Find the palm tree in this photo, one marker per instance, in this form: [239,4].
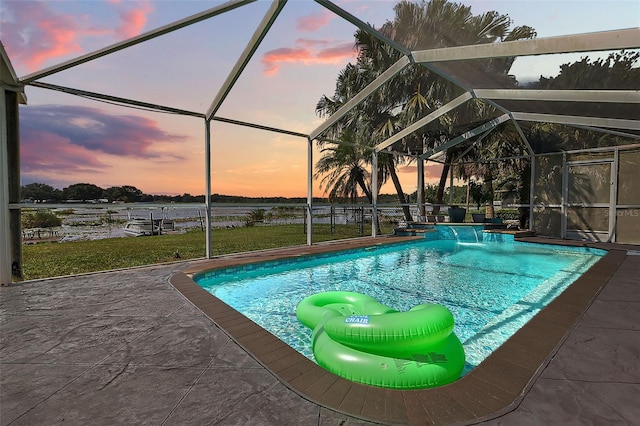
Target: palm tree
[342,170]
[365,126]
[503,142]
[418,90]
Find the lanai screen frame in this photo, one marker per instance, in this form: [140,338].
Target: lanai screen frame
[589,42]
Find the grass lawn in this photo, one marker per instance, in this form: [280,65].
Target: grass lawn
[56,259]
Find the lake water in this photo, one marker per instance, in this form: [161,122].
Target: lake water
[108,221]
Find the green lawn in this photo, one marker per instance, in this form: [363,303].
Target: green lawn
[56,259]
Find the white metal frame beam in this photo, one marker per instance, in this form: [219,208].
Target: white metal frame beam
[609,132]
[589,42]
[207,184]
[309,209]
[467,135]
[247,54]
[613,123]
[363,26]
[361,96]
[259,127]
[115,99]
[424,121]
[612,96]
[233,4]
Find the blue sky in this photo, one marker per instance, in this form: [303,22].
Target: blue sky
[67,139]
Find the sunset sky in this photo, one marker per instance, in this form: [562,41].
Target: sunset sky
[68,139]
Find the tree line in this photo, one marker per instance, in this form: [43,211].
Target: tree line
[90,193]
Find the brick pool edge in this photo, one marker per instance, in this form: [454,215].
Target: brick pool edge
[493,388]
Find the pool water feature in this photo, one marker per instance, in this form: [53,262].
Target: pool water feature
[492,288]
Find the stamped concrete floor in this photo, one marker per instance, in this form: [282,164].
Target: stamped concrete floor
[125,347]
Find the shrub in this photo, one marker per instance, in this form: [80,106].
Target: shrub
[40,219]
[256,215]
[508,214]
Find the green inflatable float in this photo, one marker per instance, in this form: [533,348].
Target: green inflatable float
[356,337]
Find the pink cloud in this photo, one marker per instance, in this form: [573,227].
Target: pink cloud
[308,52]
[337,54]
[315,21]
[133,20]
[34,33]
[67,139]
[273,58]
[36,155]
[312,43]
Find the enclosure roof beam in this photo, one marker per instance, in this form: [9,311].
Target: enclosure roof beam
[610,132]
[115,99]
[589,42]
[364,26]
[387,75]
[515,123]
[467,135]
[447,76]
[614,96]
[259,127]
[424,121]
[247,54]
[613,123]
[225,7]
[354,144]
[522,135]
[476,142]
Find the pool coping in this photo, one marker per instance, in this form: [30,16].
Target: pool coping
[493,388]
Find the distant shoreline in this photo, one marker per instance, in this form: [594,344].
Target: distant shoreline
[102,221]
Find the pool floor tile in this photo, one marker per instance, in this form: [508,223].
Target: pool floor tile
[336,393]
[395,410]
[441,408]
[415,411]
[465,397]
[317,389]
[291,367]
[354,398]
[375,402]
[309,378]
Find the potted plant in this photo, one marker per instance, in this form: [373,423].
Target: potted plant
[457,214]
[478,217]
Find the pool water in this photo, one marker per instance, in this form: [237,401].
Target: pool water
[491,288]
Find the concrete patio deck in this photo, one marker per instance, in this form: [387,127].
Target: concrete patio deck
[125,347]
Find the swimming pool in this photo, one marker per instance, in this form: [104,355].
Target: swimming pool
[492,288]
